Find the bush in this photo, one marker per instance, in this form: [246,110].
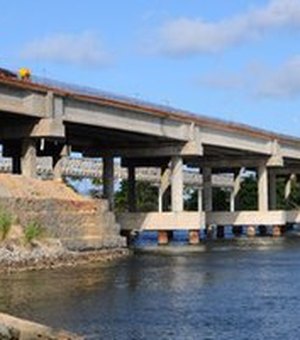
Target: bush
[6,222]
[33,230]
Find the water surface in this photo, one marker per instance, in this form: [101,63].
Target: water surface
[221,293]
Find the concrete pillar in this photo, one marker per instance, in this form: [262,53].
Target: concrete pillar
[131,189]
[57,161]
[232,201]
[200,199]
[29,158]
[108,180]
[273,190]
[235,190]
[207,189]
[288,186]
[194,237]
[220,231]
[251,231]
[262,188]
[177,183]
[163,188]
[163,237]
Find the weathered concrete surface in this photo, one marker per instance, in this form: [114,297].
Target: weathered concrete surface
[12,328]
[80,223]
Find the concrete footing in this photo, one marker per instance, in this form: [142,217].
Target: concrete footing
[194,237]
[251,231]
[276,231]
[164,237]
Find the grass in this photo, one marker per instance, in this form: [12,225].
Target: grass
[33,230]
[6,221]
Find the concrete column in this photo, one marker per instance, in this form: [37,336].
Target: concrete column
[273,190]
[200,199]
[232,201]
[131,189]
[262,188]
[177,183]
[288,186]
[207,189]
[235,190]
[57,161]
[108,180]
[28,159]
[163,187]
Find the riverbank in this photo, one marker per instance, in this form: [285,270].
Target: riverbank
[51,254]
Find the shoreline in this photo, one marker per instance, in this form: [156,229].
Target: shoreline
[68,259]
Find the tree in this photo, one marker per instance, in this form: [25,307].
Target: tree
[146,197]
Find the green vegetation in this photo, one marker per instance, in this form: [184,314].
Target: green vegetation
[146,197]
[33,230]
[6,221]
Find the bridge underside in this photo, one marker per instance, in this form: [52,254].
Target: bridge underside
[37,122]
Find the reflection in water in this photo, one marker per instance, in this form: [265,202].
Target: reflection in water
[233,294]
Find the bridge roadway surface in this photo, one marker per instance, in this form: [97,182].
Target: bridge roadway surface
[43,118]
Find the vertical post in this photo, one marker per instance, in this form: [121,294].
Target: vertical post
[200,199]
[108,180]
[207,189]
[177,183]
[131,189]
[28,159]
[262,188]
[288,186]
[273,190]
[232,201]
[57,161]
[163,187]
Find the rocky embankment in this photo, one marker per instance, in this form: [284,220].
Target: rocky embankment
[12,328]
[49,254]
[46,224]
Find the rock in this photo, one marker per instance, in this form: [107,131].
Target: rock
[9,333]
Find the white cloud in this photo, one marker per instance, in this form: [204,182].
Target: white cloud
[259,80]
[282,82]
[185,36]
[84,49]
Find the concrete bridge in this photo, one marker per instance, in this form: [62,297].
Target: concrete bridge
[39,119]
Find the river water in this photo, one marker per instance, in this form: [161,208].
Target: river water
[173,293]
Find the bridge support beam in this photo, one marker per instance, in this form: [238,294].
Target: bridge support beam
[108,180]
[177,183]
[29,158]
[57,161]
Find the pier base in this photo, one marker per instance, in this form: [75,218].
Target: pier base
[276,232]
[194,237]
[251,231]
[164,237]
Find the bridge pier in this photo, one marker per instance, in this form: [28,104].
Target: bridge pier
[28,158]
[164,237]
[131,189]
[177,183]
[108,181]
[194,237]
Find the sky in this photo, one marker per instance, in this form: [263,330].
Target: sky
[237,60]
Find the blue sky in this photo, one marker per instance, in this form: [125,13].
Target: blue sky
[237,60]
